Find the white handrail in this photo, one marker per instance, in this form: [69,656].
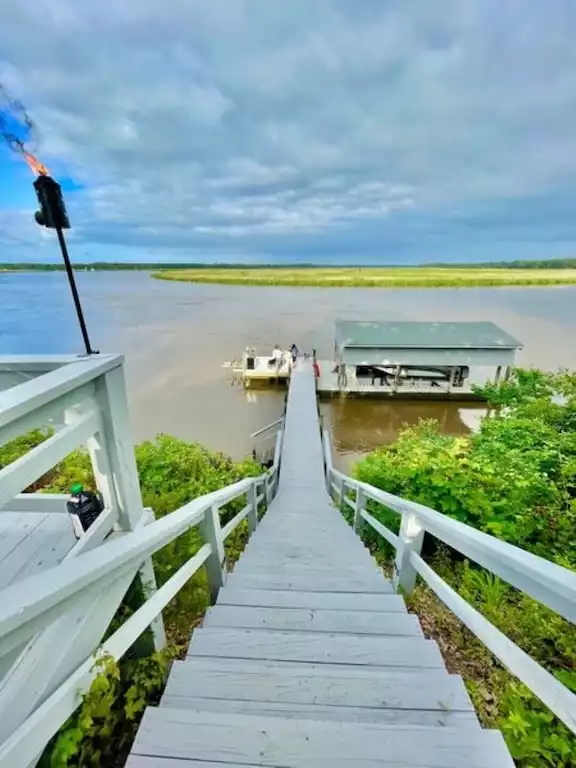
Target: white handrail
[543,580]
[79,596]
[267,427]
[34,603]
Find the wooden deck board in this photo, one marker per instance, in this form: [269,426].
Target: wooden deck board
[299,743]
[313,620]
[316,647]
[426,689]
[345,601]
[30,542]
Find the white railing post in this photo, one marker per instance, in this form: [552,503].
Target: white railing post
[123,488]
[253,501]
[410,540]
[360,502]
[215,564]
[342,494]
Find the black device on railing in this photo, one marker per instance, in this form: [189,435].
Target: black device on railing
[83,507]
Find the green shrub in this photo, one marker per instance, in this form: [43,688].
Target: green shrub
[516,480]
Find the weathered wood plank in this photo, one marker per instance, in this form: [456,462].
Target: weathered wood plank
[298,743]
[318,648]
[47,541]
[346,601]
[311,581]
[313,620]
[435,718]
[425,689]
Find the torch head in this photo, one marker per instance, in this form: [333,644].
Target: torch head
[52,213]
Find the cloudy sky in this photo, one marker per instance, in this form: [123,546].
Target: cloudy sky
[296,130]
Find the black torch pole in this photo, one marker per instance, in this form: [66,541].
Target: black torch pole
[53,215]
[74,289]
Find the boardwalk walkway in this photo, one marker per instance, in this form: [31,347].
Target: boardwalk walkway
[308,658]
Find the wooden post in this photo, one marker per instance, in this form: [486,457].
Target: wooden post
[215,564]
[507,372]
[451,379]
[498,372]
[253,514]
[360,502]
[411,537]
[342,495]
[123,487]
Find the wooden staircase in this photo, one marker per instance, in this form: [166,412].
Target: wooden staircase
[308,658]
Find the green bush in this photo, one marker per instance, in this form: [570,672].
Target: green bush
[516,480]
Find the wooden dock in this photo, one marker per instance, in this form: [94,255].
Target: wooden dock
[308,657]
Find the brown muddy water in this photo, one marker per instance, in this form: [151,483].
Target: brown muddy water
[176,336]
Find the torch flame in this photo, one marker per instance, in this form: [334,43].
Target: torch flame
[36,166]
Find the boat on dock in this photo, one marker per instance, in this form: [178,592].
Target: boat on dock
[399,359]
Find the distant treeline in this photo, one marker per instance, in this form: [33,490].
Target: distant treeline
[152,265]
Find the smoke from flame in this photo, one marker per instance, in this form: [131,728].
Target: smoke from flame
[15,108]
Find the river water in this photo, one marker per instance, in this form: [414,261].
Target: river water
[176,336]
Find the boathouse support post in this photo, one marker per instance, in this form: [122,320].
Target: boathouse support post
[360,503]
[498,374]
[216,563]
[116,458]
[253,513]
[410,540]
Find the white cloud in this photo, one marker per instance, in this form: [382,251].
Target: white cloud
[249,125]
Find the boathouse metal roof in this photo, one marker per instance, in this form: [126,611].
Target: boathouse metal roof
[407,334]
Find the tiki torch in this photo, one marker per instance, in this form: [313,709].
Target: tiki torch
[53,215]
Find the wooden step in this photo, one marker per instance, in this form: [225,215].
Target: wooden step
[433,718]
[429,690]
[311,579]
[246,739]
[315,647]
[346,601]
[313,620]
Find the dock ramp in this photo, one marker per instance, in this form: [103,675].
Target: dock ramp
[309,658]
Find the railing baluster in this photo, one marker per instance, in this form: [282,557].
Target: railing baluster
[253,514]
[410,540]
[215,564]
[360,503]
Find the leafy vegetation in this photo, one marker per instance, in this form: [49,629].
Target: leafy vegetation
[371,277]
[514,479]
[172,472]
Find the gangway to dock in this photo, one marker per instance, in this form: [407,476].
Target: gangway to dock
[308,656]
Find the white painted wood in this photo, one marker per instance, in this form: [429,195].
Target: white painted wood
[33,394]
[386,533]
[24,471]
[358,508]
[273,741]
[231,525]
[409,541]
[393,688]
[267,427]
[252,509]
[310,580]
[55,503]
[347,714]
[315,647]
[23,746]
[313,620]
[49,415]
[216,561]
[544,685]
[345,601]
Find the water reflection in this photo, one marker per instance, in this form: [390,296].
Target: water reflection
[358,426]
